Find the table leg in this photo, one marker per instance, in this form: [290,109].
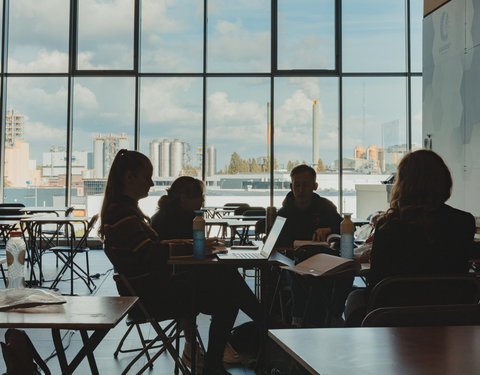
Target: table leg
[91,358]
[89,345]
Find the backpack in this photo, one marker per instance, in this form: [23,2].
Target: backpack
[21,357]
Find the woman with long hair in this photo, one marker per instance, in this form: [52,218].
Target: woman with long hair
[127,233]
[176,208]
[419,233]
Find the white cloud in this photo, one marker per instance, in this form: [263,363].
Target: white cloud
[46,61]
[160,102]
[38,131]
[85,99]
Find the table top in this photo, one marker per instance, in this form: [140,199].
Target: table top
[388,351]
[44,209]
[57,219]
[79,312]
[16,218]
[243,217]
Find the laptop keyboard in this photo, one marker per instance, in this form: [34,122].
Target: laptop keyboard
[246,256]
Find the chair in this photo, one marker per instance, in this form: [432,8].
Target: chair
[67,254]
[422,316]
[424,290]
[241,208]
[9,209]
[140,315]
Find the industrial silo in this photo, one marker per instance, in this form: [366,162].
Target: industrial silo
[154,158]
[176,158]
[164,154]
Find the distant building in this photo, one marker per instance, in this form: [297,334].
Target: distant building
[13,128]
[20,171]
[167,157]
[105,147]
[211,161]
[54,162]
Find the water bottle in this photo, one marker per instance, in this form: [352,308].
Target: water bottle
[16,260]
[199,236]
[346,237]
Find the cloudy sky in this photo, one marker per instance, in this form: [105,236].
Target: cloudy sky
[238,41]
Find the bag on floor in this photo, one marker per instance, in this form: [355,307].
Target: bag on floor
[21,357]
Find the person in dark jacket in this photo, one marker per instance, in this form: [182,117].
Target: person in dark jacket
[311,217]
[419,234]
[127,234]
[176,208]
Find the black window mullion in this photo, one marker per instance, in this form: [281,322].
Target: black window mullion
[3,107]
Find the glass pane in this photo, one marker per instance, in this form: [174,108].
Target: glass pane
[171,133]
[172,36]
[105,34]
[36,43]
[373,36]
[239,36]
[306,34]
[374,139]
[416,35]
[417,140]
[103,123]
[35,141]
[237,146]
[306,131]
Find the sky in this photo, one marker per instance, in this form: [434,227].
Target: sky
[238,34]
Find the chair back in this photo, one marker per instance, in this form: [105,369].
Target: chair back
[424,290]
[423,316]
[11,209]
[255,211]
[68,211]
[260,229]
[82,243]
[241,209]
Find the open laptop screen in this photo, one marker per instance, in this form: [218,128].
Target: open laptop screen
[273,236]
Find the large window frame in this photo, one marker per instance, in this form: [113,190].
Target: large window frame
[74,72]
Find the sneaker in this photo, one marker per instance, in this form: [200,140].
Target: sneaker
[199,356]
[230,355]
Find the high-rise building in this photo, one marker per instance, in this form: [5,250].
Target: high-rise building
[315,133]
[13,128]
[105,147]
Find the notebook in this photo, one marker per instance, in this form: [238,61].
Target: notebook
[264,252]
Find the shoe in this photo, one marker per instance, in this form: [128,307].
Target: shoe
[199,356]
[230,355]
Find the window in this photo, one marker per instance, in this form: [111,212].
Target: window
[236,101]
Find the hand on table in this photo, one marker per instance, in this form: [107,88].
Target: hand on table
[321,234]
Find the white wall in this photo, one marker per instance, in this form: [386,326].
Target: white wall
[451,92]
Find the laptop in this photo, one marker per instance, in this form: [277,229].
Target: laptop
[264,251]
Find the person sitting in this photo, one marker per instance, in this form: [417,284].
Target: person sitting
[173,220]
[311,217]
[419,233]
[127,233]
[176,209]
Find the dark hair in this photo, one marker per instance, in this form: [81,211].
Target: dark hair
[422,184]
[302,168]
[184,184]
[125,161]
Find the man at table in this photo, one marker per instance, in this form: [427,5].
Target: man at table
[310,217]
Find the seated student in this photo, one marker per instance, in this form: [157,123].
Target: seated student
[311,217]
[419,234]
[174,220]
[126,231]
[176,209]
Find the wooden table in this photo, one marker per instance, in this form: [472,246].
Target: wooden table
[386,351]
[87,313]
